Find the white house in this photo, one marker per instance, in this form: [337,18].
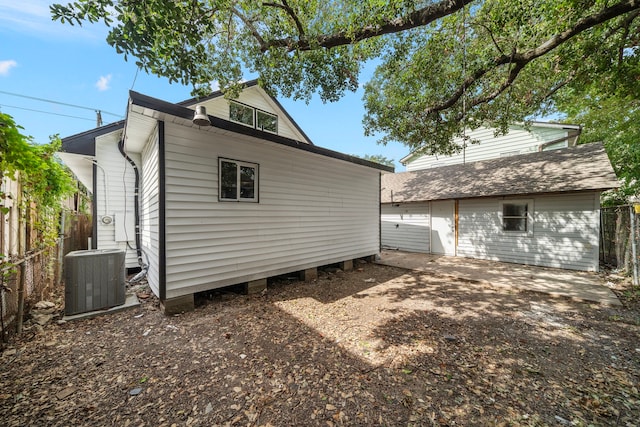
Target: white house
[538,208]
[244,199]
[538,136]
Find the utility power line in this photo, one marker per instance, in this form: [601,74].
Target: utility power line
[45,112]
[60,103]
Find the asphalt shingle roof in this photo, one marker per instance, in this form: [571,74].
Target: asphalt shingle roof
[582,168]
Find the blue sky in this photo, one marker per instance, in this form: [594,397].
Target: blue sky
[74,65]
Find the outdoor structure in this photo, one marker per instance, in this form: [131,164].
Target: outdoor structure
[243,199]
[540,208]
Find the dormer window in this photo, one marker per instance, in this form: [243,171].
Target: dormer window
[253,117]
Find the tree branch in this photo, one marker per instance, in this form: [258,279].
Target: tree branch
[495,43]
[415,19]
[520,60]
[254,32]
[291,13]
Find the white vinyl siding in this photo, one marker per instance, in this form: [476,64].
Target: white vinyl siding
[313,210]
[517,141]
[256,98]
[120,181]
[565,232]
[149,211]
[406,227]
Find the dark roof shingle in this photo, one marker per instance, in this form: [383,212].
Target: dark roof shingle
[582,168]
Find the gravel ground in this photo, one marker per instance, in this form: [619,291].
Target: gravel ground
[375,346]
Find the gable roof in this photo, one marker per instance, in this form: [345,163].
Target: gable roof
[582,168]
[144,111]
[191,102]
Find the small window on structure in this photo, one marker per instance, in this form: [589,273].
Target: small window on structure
[252,117]
[238,181]
[266,121]
[241,113]
[516,216]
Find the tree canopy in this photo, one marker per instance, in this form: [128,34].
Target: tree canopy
[610,116]
[379,158]
[443,64]
[43,178]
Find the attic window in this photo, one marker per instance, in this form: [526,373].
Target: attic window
[267,121]
[241,113]
[237,181]
[517,216]
[253,117]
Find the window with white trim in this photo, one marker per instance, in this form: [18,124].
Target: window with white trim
[517,216]
[237,181]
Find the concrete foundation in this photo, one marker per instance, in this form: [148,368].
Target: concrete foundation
[178,304]
[309,274]
[255,286]
[347,265]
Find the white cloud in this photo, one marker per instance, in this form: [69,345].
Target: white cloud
[103,82]
[6,66]
[33,17]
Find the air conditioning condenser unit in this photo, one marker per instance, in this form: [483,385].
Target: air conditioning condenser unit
[94,280]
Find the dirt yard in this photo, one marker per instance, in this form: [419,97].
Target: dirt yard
[376,346]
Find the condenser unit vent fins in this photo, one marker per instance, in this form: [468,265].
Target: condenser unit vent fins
[94,280]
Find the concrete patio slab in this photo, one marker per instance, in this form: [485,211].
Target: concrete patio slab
[578,285]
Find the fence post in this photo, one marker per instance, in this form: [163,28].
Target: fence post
[60,257]
[22,243]
[634,252]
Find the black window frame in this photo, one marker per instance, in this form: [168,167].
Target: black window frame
[238,181]
[245,106]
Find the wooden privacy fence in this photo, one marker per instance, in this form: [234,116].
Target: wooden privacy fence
[38,274]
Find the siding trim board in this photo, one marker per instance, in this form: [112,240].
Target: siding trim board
[94,208]
[380,213]
[162,214]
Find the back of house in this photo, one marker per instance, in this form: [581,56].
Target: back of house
[247,197]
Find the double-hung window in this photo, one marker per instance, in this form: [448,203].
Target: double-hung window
[517,216]
[237,181]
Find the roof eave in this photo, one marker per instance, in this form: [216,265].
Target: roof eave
[85,143]
[186,113]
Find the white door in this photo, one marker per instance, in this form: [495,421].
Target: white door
[443,227]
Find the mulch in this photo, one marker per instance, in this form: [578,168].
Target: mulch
[375,346]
